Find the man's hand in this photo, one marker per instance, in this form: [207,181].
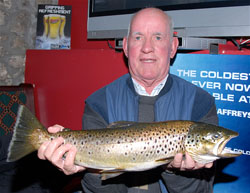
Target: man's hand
[55,150]
[186,163]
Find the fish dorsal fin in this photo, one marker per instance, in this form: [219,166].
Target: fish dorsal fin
[66,129]
[107,174]
[121,124]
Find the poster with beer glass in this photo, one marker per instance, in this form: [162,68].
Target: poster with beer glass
[53,27]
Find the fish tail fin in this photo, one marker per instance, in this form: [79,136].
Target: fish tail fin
[21,143]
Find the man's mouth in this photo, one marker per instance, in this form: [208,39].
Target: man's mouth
[147,60]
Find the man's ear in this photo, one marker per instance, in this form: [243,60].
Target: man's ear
[174,46]
[125,46]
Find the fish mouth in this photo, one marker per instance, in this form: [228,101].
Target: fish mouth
[226,152]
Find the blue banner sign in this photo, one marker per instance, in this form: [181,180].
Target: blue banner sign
[227,78]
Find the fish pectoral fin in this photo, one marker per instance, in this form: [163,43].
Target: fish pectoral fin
[165,160]
[107,174]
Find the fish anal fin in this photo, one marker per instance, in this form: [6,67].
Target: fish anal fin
[107,174]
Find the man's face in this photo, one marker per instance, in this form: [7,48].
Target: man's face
[148,47]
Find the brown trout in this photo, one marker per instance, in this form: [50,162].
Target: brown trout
[127,146]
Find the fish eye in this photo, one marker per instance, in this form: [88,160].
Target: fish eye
[216,136]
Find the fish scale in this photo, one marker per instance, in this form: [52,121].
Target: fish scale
[126,146]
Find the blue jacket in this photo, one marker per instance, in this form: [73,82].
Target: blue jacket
[178,100]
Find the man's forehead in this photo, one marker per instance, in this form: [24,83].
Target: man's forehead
[134,33]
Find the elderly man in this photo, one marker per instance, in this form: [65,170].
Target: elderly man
[148,93]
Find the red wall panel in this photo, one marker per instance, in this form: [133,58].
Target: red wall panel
[64,79]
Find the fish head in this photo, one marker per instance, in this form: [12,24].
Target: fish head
[206,143]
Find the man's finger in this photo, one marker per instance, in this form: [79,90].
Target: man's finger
[55,128]
[41,150]
[52,147]
[177,162]
[188,163]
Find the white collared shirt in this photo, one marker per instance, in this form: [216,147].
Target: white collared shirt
[142,91]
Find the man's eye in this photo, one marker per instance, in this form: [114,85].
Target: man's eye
[158,37]
[138,37]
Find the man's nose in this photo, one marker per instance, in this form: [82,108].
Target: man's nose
[147,46]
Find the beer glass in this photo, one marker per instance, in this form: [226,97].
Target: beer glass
[63,22]
[54,25]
